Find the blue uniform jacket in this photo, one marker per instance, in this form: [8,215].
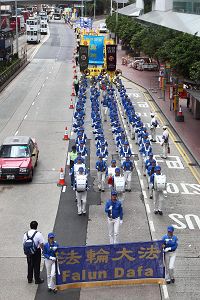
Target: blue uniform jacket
[117,210]
[171,242]
[127,166]
[49,250]
[101,166]
[124,151]
[103,152]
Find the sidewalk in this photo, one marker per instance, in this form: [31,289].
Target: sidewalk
[188,130]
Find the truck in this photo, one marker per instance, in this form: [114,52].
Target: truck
[33,34]
[5,21]
[20,23]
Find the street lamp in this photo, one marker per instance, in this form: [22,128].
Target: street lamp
[82,8]
[16,28]
[94,9]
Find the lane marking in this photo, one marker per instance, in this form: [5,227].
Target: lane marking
[16,133]
[165,291]
[142,183]
[144,194]
[25,117]
[64,189]
[151,224]
[38,93]
[33,103]
[148,208]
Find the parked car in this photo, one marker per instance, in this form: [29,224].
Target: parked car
[103,28]
[18,158]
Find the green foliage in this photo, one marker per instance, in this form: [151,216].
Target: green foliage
[195,71]
[182,52]
[179,49]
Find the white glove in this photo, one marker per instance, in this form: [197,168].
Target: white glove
[167,249]
[110,208]
[121,221]
[52,258]
[54,248]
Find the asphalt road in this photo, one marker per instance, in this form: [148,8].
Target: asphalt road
[36,103]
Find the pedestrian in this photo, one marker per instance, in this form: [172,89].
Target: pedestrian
[188,100]
[169,247]
[101,168]
[81,188]
[165,142]
[114,211]
[33,242]
[153,126]
[50,261]
[76,58]
[158,181]
[76,85]
[70,162]
[128,169]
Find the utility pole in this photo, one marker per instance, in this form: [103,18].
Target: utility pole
[111,7]
[17,35]
[82,8]
[116,22]
[94,9]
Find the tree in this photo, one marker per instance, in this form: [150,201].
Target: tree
[195,71]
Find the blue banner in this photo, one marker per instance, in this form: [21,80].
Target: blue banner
[110,263]
[96,49]
[85,22]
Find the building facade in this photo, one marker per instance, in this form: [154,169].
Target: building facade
[187,6]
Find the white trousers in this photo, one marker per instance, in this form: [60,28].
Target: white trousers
[105,112]
[81,201]
[144,164]
[127,178]
[51,273]
[153,133]
[165,150]
[170,258]
[132,133]
[113,230]
[158,199]
[101,176]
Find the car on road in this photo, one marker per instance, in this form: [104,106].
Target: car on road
[18,158]
[103,28]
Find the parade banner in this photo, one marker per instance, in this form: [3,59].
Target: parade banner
[96,49]
[111,58]
[101,265]
[83,57]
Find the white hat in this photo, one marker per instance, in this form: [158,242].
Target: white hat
[164,127]
[152,115]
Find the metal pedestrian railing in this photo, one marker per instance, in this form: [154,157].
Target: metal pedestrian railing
[11,70]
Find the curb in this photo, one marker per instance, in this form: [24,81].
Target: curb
[183,141]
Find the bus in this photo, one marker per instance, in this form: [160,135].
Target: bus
[33,33]
[44,22]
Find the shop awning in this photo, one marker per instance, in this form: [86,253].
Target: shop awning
[130,10]
[188,23]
